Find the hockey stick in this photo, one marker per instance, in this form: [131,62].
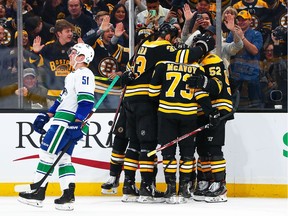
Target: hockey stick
[235,107]
[109,138]
[36,185]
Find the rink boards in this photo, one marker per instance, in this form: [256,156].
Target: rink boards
[256,152]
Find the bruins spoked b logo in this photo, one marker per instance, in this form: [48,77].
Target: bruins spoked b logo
[107,65]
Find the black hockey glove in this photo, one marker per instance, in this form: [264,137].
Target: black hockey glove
[127,77]
[40,121]
[214,118]
[206,42]
[200,81]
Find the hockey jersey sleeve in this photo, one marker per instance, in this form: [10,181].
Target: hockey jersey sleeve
[84,85]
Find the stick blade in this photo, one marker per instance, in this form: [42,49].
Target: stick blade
[149,154]
[22,188]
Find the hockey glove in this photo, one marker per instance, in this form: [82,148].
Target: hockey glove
[206,42]
[200,81]
[214,118]
[75,131]
[40,121]
[127,77]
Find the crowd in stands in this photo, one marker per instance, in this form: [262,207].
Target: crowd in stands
[258,69]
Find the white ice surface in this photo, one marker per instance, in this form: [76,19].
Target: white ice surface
[112,205]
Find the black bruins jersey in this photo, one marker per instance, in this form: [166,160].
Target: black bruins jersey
[168,85]
[55,61]
[108,59]
[149,53]
[220,91]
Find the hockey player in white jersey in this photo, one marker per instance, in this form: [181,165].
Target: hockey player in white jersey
[68,112]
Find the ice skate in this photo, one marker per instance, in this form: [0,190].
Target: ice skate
[184,192]
[130,191]
[149,194]
[217,192]
[66,201]
[170,194]
[33,198]
[111,186]
[201,189]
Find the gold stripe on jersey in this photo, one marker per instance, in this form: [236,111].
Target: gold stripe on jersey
[182,56]
[130,164]
[54,93]
[154,91]
[142,89]
[170,166]
[146,166]
[200,94]
[220,104]
[177,108]
[218,166]
[186,166]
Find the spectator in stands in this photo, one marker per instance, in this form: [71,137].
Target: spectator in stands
[110,60]
[55,66]
[82,22]
[120,14]
[148,19]
[245,64]
[261,16]
[140,5]
[91,36]
[34,95]
[7,74]
[35,26]
[54,10]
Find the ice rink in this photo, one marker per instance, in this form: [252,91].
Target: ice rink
[112,205]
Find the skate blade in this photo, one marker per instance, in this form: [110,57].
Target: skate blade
[182,200]
[198,198]
[65,207]
[218,199]
[109,191]
[129,198]
[35,203]
[148,199]
[171,200]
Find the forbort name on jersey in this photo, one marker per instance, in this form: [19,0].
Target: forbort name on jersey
[182,68]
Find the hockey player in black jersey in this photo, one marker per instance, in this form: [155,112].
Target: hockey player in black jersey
[177,115]
[211,165]
[141,112]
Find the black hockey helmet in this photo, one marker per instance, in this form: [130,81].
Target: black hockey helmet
[280,33]
[167,28]
[142,33]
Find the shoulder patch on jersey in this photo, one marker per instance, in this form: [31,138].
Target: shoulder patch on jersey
[211,59]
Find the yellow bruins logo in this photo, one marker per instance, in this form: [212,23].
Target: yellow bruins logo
[62,70]
[7,37]
[107,65]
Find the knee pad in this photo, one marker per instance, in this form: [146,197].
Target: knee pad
[46,157]
[65,159]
